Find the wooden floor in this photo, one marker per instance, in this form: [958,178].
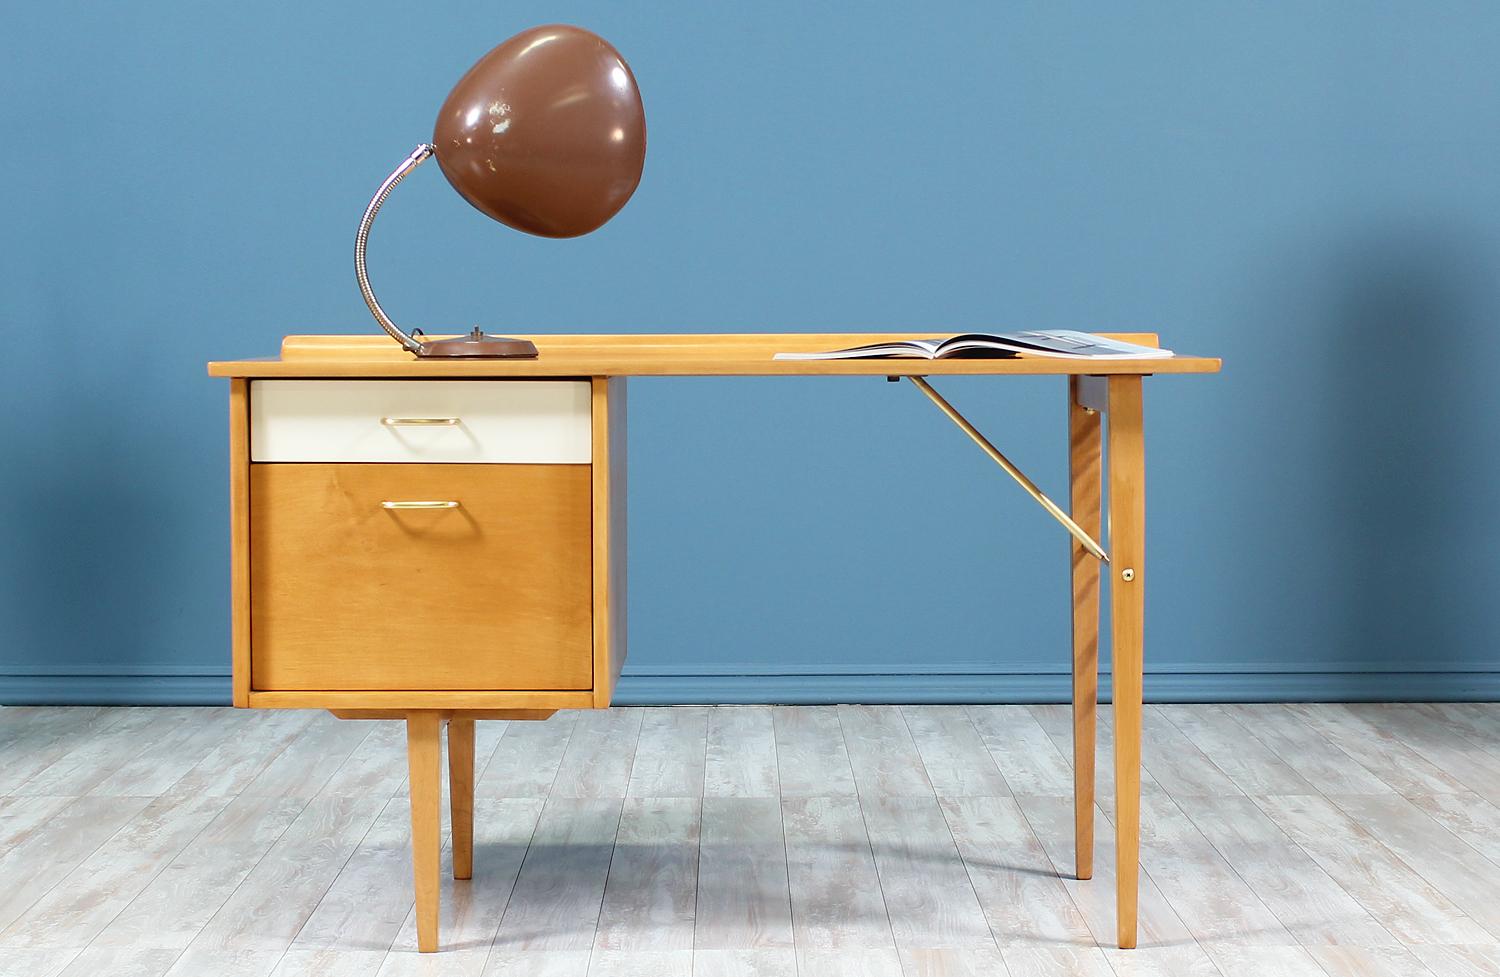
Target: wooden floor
[932,841]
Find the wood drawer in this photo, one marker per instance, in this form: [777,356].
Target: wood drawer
[479,421]
[494,594]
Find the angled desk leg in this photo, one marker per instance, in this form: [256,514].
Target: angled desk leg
[1127,521]
[461,794]
[1085,457]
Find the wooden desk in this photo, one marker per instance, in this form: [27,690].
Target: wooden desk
[448,552]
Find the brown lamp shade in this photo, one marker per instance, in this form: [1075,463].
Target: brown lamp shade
[546,133]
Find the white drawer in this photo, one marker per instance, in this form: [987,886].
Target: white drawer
[479,421]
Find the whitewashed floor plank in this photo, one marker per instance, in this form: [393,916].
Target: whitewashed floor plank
[1309,903]
[369,899]
[1479,722]
[1250,764]
[556,900]
[1359,961]
[169,755]
[39,737]
[849,963]
[235,762]
[97,757]
[1028,758]
[953,753]
[304,768]
[669,756]
[270,905]
[1306,750]
[327,962]
[537,963]
[1455,755]
[120,962]
[525,762]
[1477,960]
[18,962]
[927,892]
[600,752]
[811,758]
[953,963]
[1176,764]
[34,865]
[744,901]
[1051,818]
[23,817]
[1018,888]
[171,910]
[652,889]
[745,963]
[376,767]
[220,962]
[1472,819]
[1057,722]
[1187,960]
[1466,878]
[452,962]
[86,899]
[1046,961]
[881,752]
[740,760]
[836,900]
[641,963]
[1404,902]
[1206,893]
[1375,748]
[1263,961]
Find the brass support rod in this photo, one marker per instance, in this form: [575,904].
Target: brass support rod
[1084,539]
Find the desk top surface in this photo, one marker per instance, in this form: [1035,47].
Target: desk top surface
[677,354]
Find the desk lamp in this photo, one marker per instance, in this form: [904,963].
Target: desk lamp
[546,134]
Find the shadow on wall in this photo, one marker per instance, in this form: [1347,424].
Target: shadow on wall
[1409,451]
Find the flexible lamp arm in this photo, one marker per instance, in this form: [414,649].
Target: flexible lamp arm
[417,158]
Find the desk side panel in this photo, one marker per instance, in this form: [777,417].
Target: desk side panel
[239,540]
[609,535]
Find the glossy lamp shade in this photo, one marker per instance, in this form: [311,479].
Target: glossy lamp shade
[546,133]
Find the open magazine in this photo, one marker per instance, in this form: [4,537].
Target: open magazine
[1062,343]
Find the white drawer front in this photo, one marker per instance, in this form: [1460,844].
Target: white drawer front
[479,421]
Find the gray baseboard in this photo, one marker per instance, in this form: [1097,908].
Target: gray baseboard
[669,689]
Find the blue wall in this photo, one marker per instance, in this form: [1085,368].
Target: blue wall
[1310,191]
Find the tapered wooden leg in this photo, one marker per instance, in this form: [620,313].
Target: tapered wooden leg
[1084,474]
[1127,537]
[461,794]
[423,756]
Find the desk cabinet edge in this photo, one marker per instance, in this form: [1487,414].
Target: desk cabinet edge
[239,539]
[608,405]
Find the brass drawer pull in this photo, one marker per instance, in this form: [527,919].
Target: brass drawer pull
[419,421]
[425,504]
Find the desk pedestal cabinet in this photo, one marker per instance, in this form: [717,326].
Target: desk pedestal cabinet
[444,541]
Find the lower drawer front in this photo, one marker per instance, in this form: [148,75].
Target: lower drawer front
[347,592]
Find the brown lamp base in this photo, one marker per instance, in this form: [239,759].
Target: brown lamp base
[479,345]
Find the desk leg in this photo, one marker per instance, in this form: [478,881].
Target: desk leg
[1084,474]
[1127,519]
[424,755]
[461,794]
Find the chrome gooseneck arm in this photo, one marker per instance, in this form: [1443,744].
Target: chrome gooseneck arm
[476,344]
[417,158]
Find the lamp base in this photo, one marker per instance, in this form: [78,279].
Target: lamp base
[479,345]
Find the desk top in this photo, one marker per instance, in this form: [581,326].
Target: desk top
[673,355]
